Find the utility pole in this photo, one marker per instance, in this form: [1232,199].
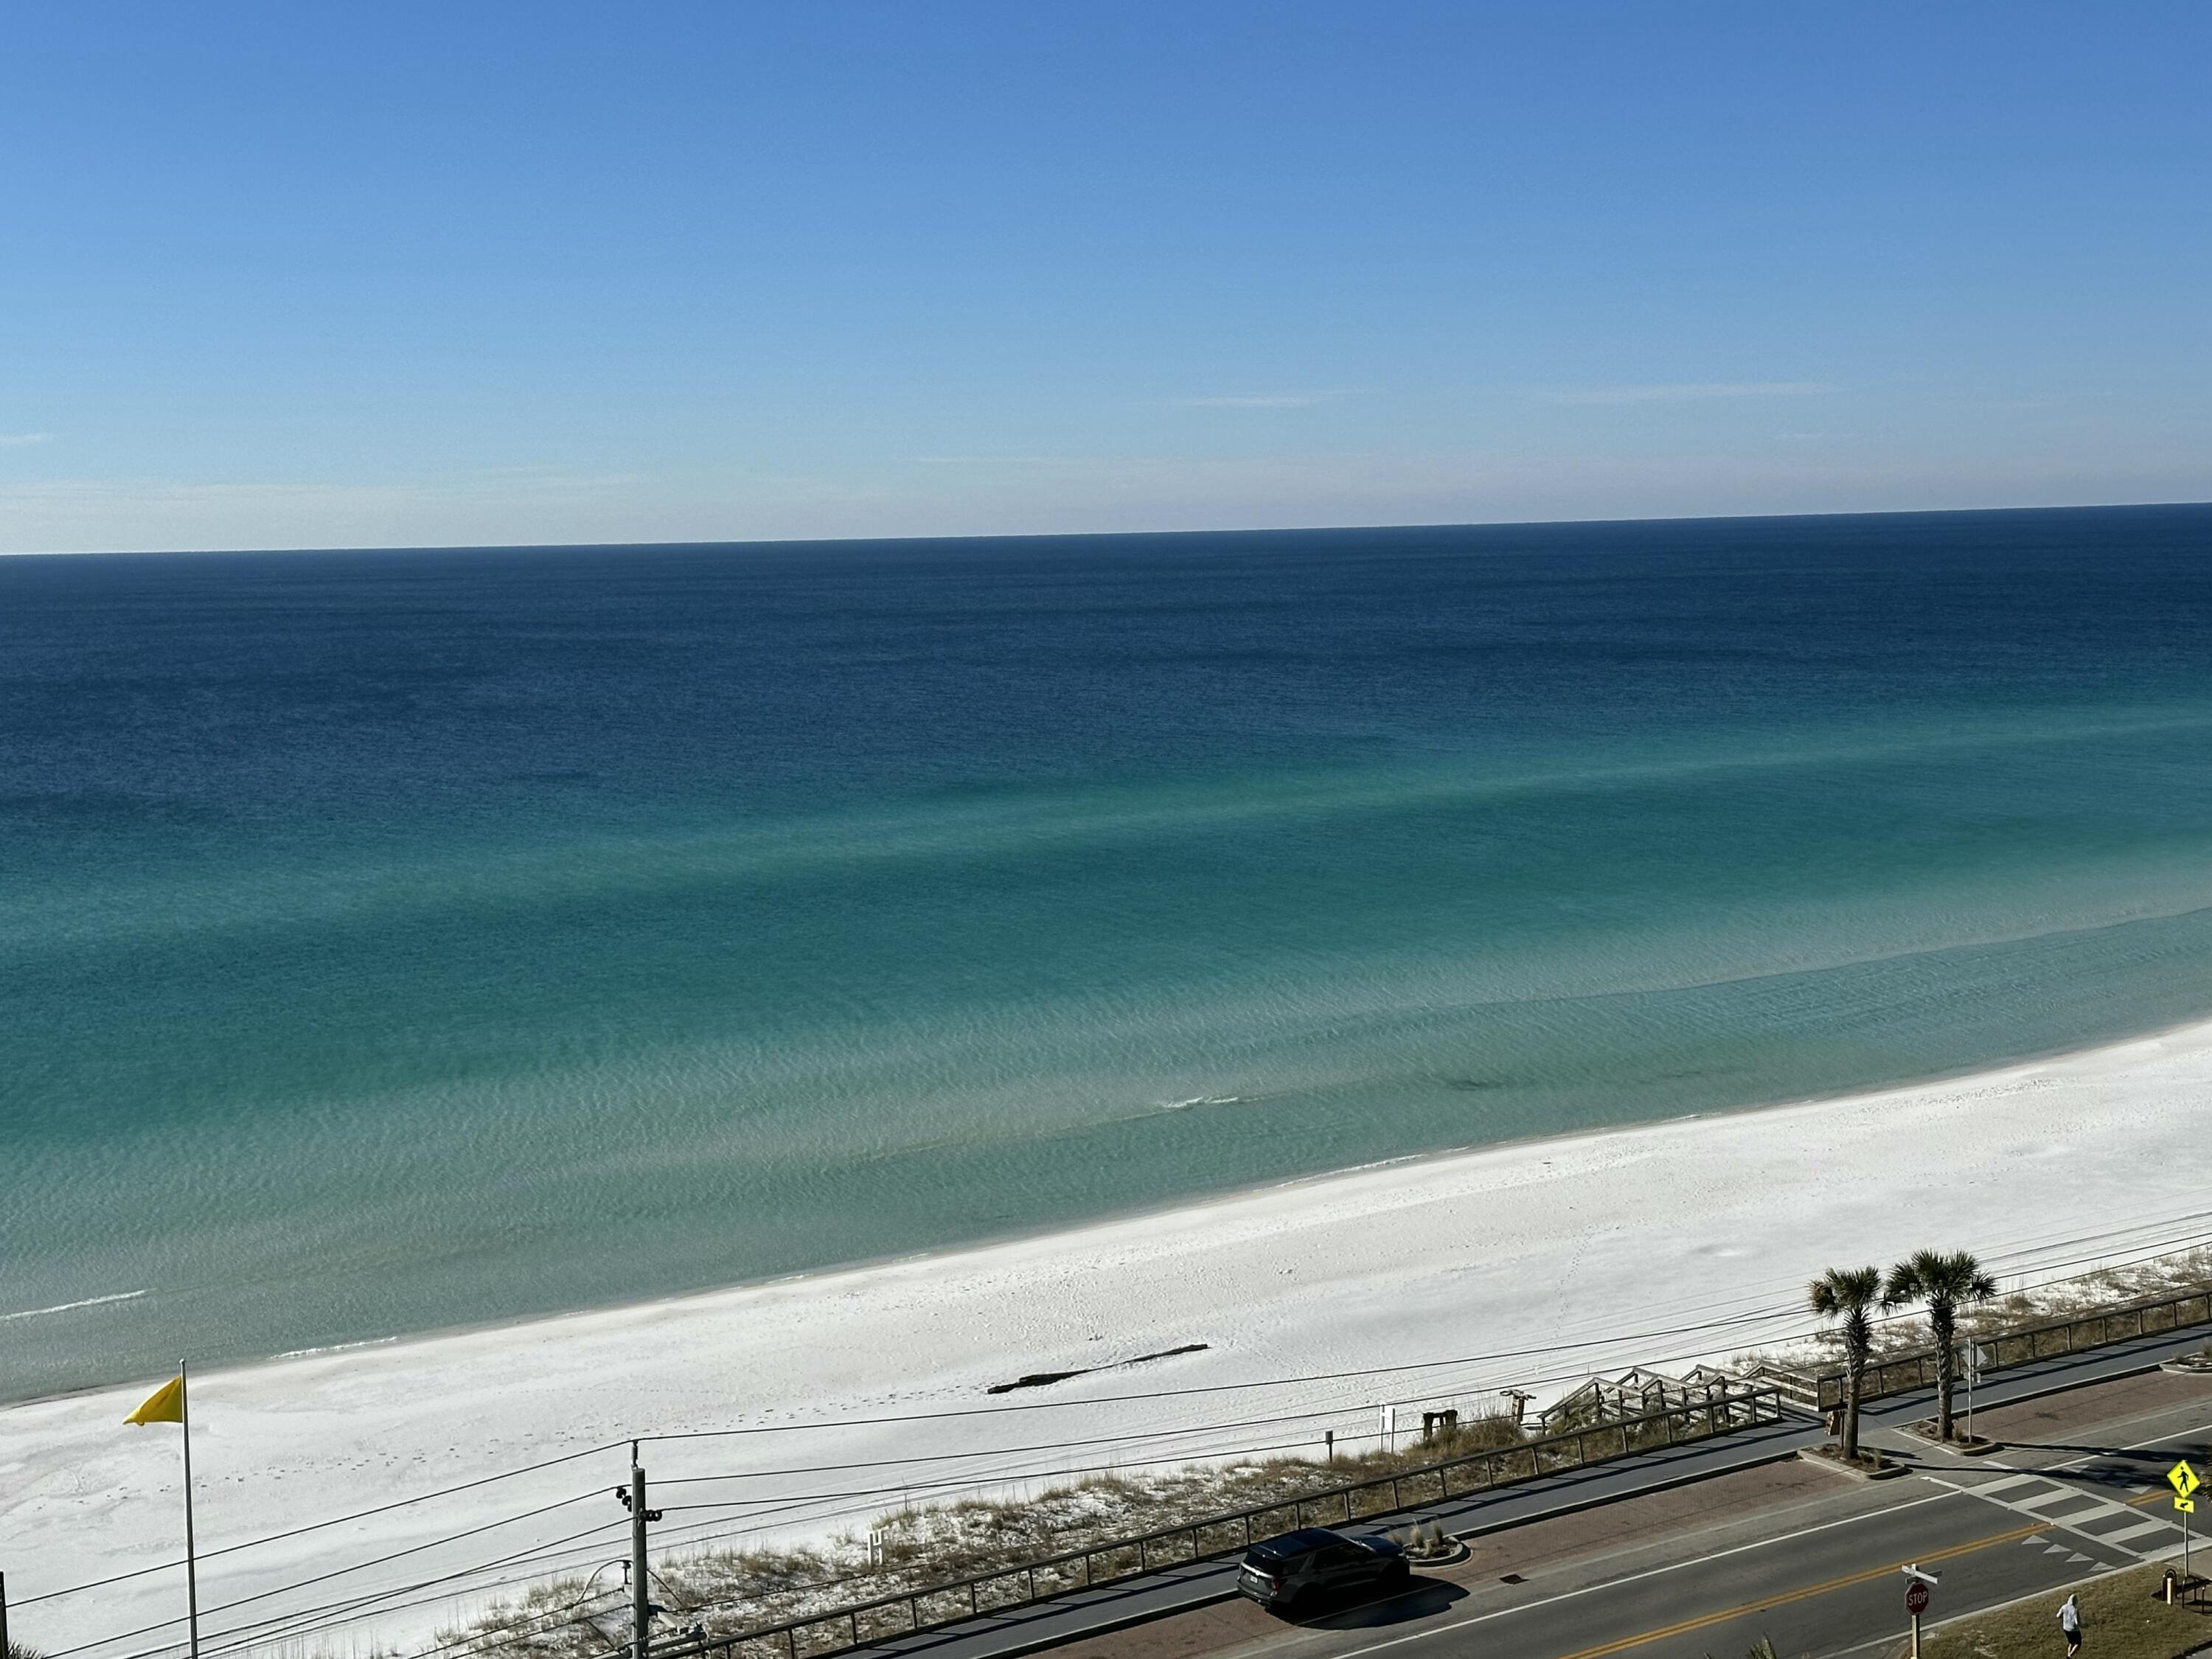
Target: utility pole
[4,1615]
[641,1609]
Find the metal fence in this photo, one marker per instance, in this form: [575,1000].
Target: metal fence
[1823,1390]
[842,1630]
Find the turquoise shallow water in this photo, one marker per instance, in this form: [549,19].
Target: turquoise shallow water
[394,941]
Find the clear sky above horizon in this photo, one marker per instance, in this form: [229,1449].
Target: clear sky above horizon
[284,275]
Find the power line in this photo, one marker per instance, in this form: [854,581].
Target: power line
[340,1572]
[1207,1388]
[1290,1382]
[319,1621]
[979,1480]
[318,1526]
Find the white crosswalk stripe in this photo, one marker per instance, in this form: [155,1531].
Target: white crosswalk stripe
[2140,1530]
[2049,1500]
[2094,1515]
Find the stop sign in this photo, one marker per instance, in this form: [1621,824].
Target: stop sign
[1916,1598]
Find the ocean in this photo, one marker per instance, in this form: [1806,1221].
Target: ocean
[395,941]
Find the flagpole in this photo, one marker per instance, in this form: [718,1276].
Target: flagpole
[191,1564]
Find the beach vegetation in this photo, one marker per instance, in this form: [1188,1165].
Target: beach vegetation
[1943,1282]
[909,1549]
[1900,1334]
[1850,1297]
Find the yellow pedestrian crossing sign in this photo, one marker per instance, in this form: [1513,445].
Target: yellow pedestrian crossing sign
[2184,1481]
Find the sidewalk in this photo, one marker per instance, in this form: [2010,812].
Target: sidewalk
[1196,1585]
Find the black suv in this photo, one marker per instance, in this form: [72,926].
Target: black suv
[1292,1573]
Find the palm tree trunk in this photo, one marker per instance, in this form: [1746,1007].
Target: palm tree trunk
[1851,1443]
[1945,1330]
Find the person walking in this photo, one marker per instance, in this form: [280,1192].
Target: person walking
[2069,1626]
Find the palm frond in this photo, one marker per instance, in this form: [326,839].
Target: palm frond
[1845,1292]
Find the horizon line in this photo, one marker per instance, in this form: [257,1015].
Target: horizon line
[1101,535]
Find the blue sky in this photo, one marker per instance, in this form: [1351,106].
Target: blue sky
[291,275]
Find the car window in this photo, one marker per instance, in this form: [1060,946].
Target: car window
[1343,1555]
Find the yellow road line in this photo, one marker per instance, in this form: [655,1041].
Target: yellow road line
[1845,1583]
[1805,1593]
[1783,1598]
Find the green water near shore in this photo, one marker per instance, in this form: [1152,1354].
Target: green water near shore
[398,940]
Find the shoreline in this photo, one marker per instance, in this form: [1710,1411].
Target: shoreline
[1166,1208]
[1515,1263]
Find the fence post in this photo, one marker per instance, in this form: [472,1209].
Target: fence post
[853,1618]
[1624,1439]
[1033,1582]
[973,1606]
[791,1639]
[1143,1565]
[1394,1503]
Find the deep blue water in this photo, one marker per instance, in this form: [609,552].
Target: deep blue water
[395,939]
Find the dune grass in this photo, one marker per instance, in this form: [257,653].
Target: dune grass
[725,1590]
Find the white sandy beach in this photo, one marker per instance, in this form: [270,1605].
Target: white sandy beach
[1618,1242]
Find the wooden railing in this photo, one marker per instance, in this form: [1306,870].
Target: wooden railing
[1823,1389]
[844,1629]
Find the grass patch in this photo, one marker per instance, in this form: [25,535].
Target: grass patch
[2122,1618]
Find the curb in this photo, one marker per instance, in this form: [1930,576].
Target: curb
[1885,1468]
[1214,1598]
[1199,1598]
[1670,1484]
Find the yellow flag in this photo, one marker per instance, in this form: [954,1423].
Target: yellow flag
[164,1405]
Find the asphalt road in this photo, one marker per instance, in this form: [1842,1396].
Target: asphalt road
[1825,1582]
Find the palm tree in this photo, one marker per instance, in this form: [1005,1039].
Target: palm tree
[1942,1282]
[1850,1294]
